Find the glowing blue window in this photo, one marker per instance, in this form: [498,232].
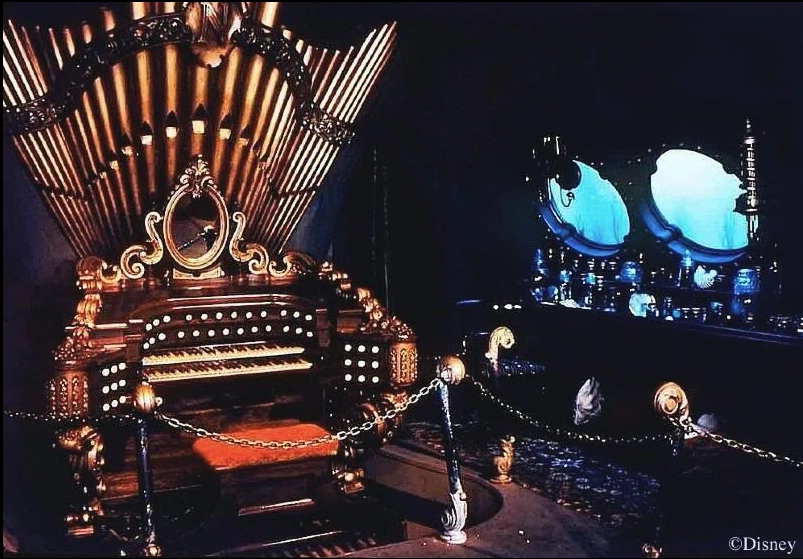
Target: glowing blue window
[591,218]
[693,206]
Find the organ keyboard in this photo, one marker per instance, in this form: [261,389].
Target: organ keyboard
[248,350]
[219,369]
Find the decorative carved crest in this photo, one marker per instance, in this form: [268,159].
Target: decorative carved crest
[213,24]
[208,235]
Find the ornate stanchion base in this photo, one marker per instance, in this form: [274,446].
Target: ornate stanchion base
[454,519]
[504,462]
[502,479]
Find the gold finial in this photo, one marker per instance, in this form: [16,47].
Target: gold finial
[451,369]
[501,336]
[145,398]
[671,402]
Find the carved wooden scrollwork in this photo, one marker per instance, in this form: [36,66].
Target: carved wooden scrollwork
[253,253]
[134,258]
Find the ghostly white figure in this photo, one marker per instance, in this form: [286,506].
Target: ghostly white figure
[588,404]
[693,192]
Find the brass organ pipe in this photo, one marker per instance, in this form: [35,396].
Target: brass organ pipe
[286,156]
[295,155]
[279,125]
[13,70]
[103,188]
[52,137]
[319,169]
[247,184]
[264,177]
[200,85]
[307,164]
[379,57]
[325,66]
[172,71]
[35,162]
[56,137]
[267,108]
[142,61]
[364,95]
[327,89]
[88,130]
[231,71]
[383,52]
[83,127]
[297,161]
[332,97]
[357,87]
[307,188]
[30,56]
[251,87]
[64,166]
[361,92]
[354,78]
[286,152]
[272,101]
[287,220]
[16,87]
[117,192]
[316,66]
[281,212]
[311,144]
[276,129]
[366,75]
[119,81]
[308,183]
[267,13]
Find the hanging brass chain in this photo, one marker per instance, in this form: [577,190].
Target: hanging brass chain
[690,428]
[302,443]
[560,432]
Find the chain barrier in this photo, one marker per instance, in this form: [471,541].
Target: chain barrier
[560,432]
[303,443]
[690,428]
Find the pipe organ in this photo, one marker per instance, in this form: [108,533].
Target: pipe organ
[177,145]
